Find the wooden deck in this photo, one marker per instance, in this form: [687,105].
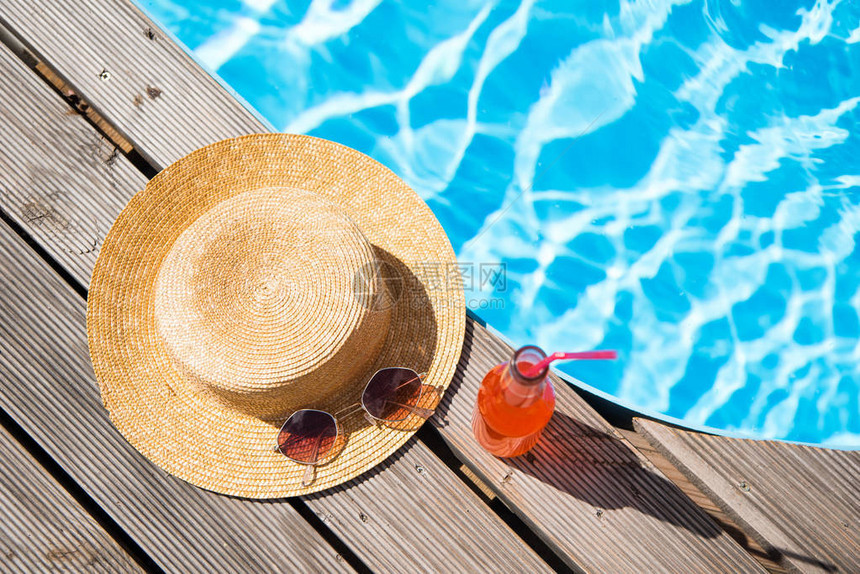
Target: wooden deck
[96,100]
[800,504]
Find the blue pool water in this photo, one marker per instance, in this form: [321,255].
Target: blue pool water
[678,180]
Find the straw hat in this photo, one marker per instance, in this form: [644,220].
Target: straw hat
[261,275]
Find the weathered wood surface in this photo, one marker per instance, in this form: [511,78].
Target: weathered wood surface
[703,501]
[369,514]
[154,93]
[46,149]
[583,488]
[411,514]
[44,529]
[800,503]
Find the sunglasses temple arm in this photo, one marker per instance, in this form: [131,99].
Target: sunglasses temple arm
[310,475]
[420,378]
[310,469]
[420,411]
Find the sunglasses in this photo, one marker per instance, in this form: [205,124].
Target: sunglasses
[312,437]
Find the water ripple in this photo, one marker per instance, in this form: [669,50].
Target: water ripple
[674,179]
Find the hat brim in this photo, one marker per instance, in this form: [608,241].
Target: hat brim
[204,442]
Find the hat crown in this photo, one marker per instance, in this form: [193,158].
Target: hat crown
[265,301]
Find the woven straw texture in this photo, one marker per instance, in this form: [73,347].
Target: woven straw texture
[261,275]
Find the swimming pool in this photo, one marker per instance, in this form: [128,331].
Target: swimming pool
[678,180]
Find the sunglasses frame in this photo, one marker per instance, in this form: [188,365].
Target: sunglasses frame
[310,471]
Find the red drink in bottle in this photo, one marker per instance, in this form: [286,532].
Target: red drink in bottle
[513,409]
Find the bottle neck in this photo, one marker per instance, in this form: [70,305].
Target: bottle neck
[520,390]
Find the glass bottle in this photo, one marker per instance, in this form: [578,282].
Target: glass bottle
[512,409]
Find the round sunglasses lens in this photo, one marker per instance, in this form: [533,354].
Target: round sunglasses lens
[391,394]
[307,436]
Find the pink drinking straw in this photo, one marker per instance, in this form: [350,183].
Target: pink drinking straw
[541,365]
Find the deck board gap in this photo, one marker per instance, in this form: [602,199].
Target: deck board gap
[90,506]
[43,254]
[344,552]
[66,91]
[437,444]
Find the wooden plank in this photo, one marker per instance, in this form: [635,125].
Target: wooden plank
[800,503]
[584,489]
[44,528]
[701,500]
[464,524]
[45,146]
[587,492]
[154,94]
[412,514]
